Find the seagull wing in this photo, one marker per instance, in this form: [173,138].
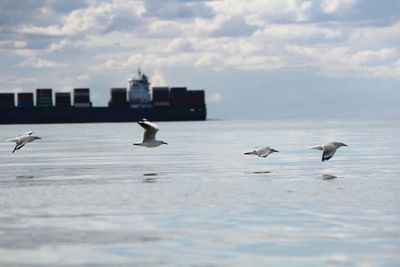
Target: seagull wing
[17,139]
[328,153]
[27,133]
[150,130]
[317,147]
[263,152]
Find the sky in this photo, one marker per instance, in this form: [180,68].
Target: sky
[256,59]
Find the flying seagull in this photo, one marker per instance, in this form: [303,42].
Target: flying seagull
[261,151]
[149,134]
[328,149]
[22,139]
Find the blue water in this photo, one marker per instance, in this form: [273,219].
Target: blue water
[83,195]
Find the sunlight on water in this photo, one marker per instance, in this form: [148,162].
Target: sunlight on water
[85,195]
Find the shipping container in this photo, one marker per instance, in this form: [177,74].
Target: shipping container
[7,100]
[44,92]
[63,99]
[118,97]
[44,97]
[161,96]
[196,97]
[25,100]
[82,96]
[178,96]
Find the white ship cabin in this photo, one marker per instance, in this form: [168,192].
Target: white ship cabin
[139,91]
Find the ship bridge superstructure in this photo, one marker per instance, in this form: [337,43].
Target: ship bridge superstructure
[139,91]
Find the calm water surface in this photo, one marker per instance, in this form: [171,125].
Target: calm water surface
[84,196]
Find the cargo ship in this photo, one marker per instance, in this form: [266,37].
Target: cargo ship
[126,105]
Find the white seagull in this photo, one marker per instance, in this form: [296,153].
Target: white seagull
[149,134]
[261,151]
[22,139]
[328,149]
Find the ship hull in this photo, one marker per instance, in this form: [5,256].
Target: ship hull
[99,114]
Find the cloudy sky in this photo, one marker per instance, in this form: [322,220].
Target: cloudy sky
[255,58]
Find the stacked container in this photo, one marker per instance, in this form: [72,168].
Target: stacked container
[44,98]
[63,100]
[118,97]
[7,100]
[82,98]
[196,98]
[160,96]
[178,96]
[25,100]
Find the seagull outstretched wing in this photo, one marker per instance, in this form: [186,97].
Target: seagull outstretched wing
[27,133]
[150,130]
[328,153]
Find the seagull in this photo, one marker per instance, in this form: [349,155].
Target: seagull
[261,151]
[329,149]
[22,139]
[149,134]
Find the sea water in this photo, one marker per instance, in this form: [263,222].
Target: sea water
[83,195]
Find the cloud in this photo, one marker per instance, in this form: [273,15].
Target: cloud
[332,6]
[158,78]
[20,44]
[42,63]
[102,39]
[177,10]
[65,7]
[99,19]
[66,45]
[371,57]
[215,97]
[300,32]
[234,26]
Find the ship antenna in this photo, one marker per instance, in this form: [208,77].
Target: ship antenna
[139,72]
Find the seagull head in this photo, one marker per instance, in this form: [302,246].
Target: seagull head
[339,144]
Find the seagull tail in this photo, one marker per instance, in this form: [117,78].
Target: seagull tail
[12,140]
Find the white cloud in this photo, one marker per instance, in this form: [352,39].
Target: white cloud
[299,32]
[84,77]
[215,97]
[26,52]
[158,78]
[332,6]
[65,45]
[42,63]
[233,26]
[254,35]
[20,44]
[97,19]
[180,45]
[374,57]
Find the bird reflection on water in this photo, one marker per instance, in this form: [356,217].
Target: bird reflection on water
[327,176]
